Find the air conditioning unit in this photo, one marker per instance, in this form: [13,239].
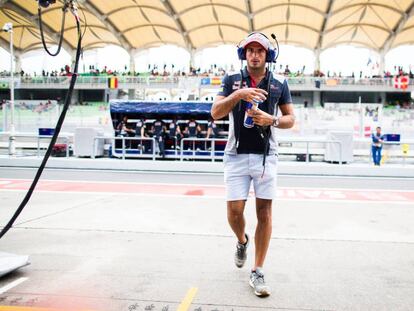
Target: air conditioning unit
[86,138]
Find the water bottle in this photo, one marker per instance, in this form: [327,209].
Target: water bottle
[248,121]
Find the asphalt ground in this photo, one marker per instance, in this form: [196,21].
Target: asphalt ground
[108,240]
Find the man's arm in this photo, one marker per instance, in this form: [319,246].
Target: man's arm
[224,104]
[287,120]
[208,132]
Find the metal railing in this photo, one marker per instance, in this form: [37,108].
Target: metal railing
[310,141]
[196,148]
[198,80]
[140,153]
[66,140]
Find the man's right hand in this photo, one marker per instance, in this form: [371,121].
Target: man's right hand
[250,94]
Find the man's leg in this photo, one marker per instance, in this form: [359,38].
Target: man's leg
[379,156]
[374,156]
[235,216]
[263,230]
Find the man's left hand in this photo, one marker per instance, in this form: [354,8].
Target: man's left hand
[260,117]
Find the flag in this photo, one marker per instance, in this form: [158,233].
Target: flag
[215,81]
[401,82]
[113,82]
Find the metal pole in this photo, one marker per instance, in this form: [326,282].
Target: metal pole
[12,147]
[123,147]
[181,149]
[213,148]
[361,119]
[93,147]
[5,126]
[153,148]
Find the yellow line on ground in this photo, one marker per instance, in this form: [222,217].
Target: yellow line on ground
[10,308]
[186,303]
[16,308]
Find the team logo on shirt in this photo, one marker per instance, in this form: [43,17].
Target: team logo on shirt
[236,85]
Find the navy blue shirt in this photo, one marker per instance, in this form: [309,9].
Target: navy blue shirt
[251,140]
[376,138]
[192,129]
[158,127]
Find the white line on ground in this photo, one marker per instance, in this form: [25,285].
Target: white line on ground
[12,284]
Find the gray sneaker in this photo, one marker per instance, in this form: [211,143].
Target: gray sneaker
[241,253]
[258,283]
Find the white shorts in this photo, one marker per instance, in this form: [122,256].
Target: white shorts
[241,169]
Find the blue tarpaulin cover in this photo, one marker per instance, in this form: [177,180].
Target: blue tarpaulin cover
[190,108]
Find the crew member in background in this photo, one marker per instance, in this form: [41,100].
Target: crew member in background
[377,141]
[212,129]
[140,128]
[174,133]
[124,130]
[140,132]
[159,132]
[193,130]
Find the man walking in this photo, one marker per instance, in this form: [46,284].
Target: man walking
[250,153]
[377,140]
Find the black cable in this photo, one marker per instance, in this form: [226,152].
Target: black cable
[54,138]
[62,30]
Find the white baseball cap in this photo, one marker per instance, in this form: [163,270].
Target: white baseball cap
[256,37]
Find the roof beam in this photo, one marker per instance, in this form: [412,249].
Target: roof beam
[35,20]
[127,7]
[109,25]
[151,25]
[359,25]
[6,46]
[385,6]
[325,22]
[292,24]
[249,15]
[398,28]
[180,26]
[291,4]
[354,43]
[242,12]
[217,24]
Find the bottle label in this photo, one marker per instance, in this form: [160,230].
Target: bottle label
[248,121]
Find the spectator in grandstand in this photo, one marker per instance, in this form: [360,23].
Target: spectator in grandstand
[174,133]
[250,153]
[377,141]
[158,129]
